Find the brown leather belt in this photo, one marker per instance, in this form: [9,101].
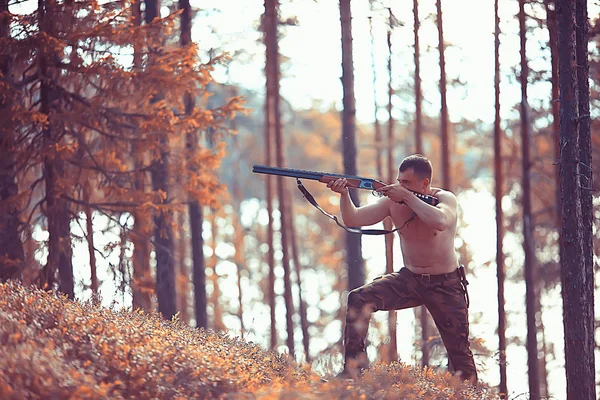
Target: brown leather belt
[438,277]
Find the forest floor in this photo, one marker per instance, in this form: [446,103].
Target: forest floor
[54,348]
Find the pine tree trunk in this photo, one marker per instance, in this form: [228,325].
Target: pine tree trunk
[163,234]
[269,135]
[301,304]
[376,124]
[12,255]
[354,260]
[392,347]
[272,42]
[418,91]
[498,194]
[141,284]
[89,236]
[194,208]
[446,163]
[528,245]
[57,212]
[577,278]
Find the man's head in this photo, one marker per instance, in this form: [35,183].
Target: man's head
[415,173]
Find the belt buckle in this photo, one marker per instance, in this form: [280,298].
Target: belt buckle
[428,276]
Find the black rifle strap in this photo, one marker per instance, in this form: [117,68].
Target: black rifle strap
[312,201]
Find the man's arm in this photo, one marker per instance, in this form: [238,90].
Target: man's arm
[439,217]
[361,216]
[365,215]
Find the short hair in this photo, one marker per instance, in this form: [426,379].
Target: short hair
[419,163]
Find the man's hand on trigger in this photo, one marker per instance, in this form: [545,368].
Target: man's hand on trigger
[339,185]
[396,192]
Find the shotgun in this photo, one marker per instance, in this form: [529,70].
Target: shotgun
[357,182]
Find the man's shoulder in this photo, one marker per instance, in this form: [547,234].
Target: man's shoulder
[442,193]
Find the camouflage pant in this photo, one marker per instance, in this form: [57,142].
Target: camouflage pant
[444,296]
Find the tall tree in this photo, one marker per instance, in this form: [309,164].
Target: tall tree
[194,207]
[12,255]
[418,91]
[354,259]
[163,233]
[577,277]
[392,348]
[499,184]
[446,183]
[528,245]
[57,208]
[273,85]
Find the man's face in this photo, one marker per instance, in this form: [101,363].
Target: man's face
[412,181]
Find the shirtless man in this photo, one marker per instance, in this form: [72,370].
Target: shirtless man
[431,275]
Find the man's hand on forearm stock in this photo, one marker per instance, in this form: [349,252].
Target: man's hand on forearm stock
[338,185]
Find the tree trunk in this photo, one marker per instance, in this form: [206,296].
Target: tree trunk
[418,92]
[269,135]
[528,245]
[57,211]
[354,260]
[552,44]
[163,234]
[194,208]
[12,255]
[218,324]
[301,304]
[499,192]
[392,347]
[142,285]
[272,44]
[577,278]
[446,164]
[376,124]
[89,236]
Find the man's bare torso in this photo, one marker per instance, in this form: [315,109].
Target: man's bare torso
[425,250]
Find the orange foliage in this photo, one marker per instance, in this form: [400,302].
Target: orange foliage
[55,348]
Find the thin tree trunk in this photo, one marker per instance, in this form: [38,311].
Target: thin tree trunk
[577,278]
[89,235]
[272,41]
[194,208]
[418,92]
[163,234]
[59,244]
[215,298]
[301,304]
[354,259]
[446,164]
[499,192]
[392,348]
[142,285]
[376,124]
[269,134]
[530,262]
[552,44]
[12,255]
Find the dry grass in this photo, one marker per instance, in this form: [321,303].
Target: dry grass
[53,348]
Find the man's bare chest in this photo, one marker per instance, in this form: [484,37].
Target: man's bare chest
[412,228]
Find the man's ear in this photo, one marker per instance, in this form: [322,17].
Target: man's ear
[425,183]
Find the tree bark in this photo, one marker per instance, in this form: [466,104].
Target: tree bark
[577,278]
[12,255]
[418,91]
[499,192]
[528,245]
[354,260]
[57,210]
[446,164]
[163,234]
[194,208]
[272,42]
[142,284]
